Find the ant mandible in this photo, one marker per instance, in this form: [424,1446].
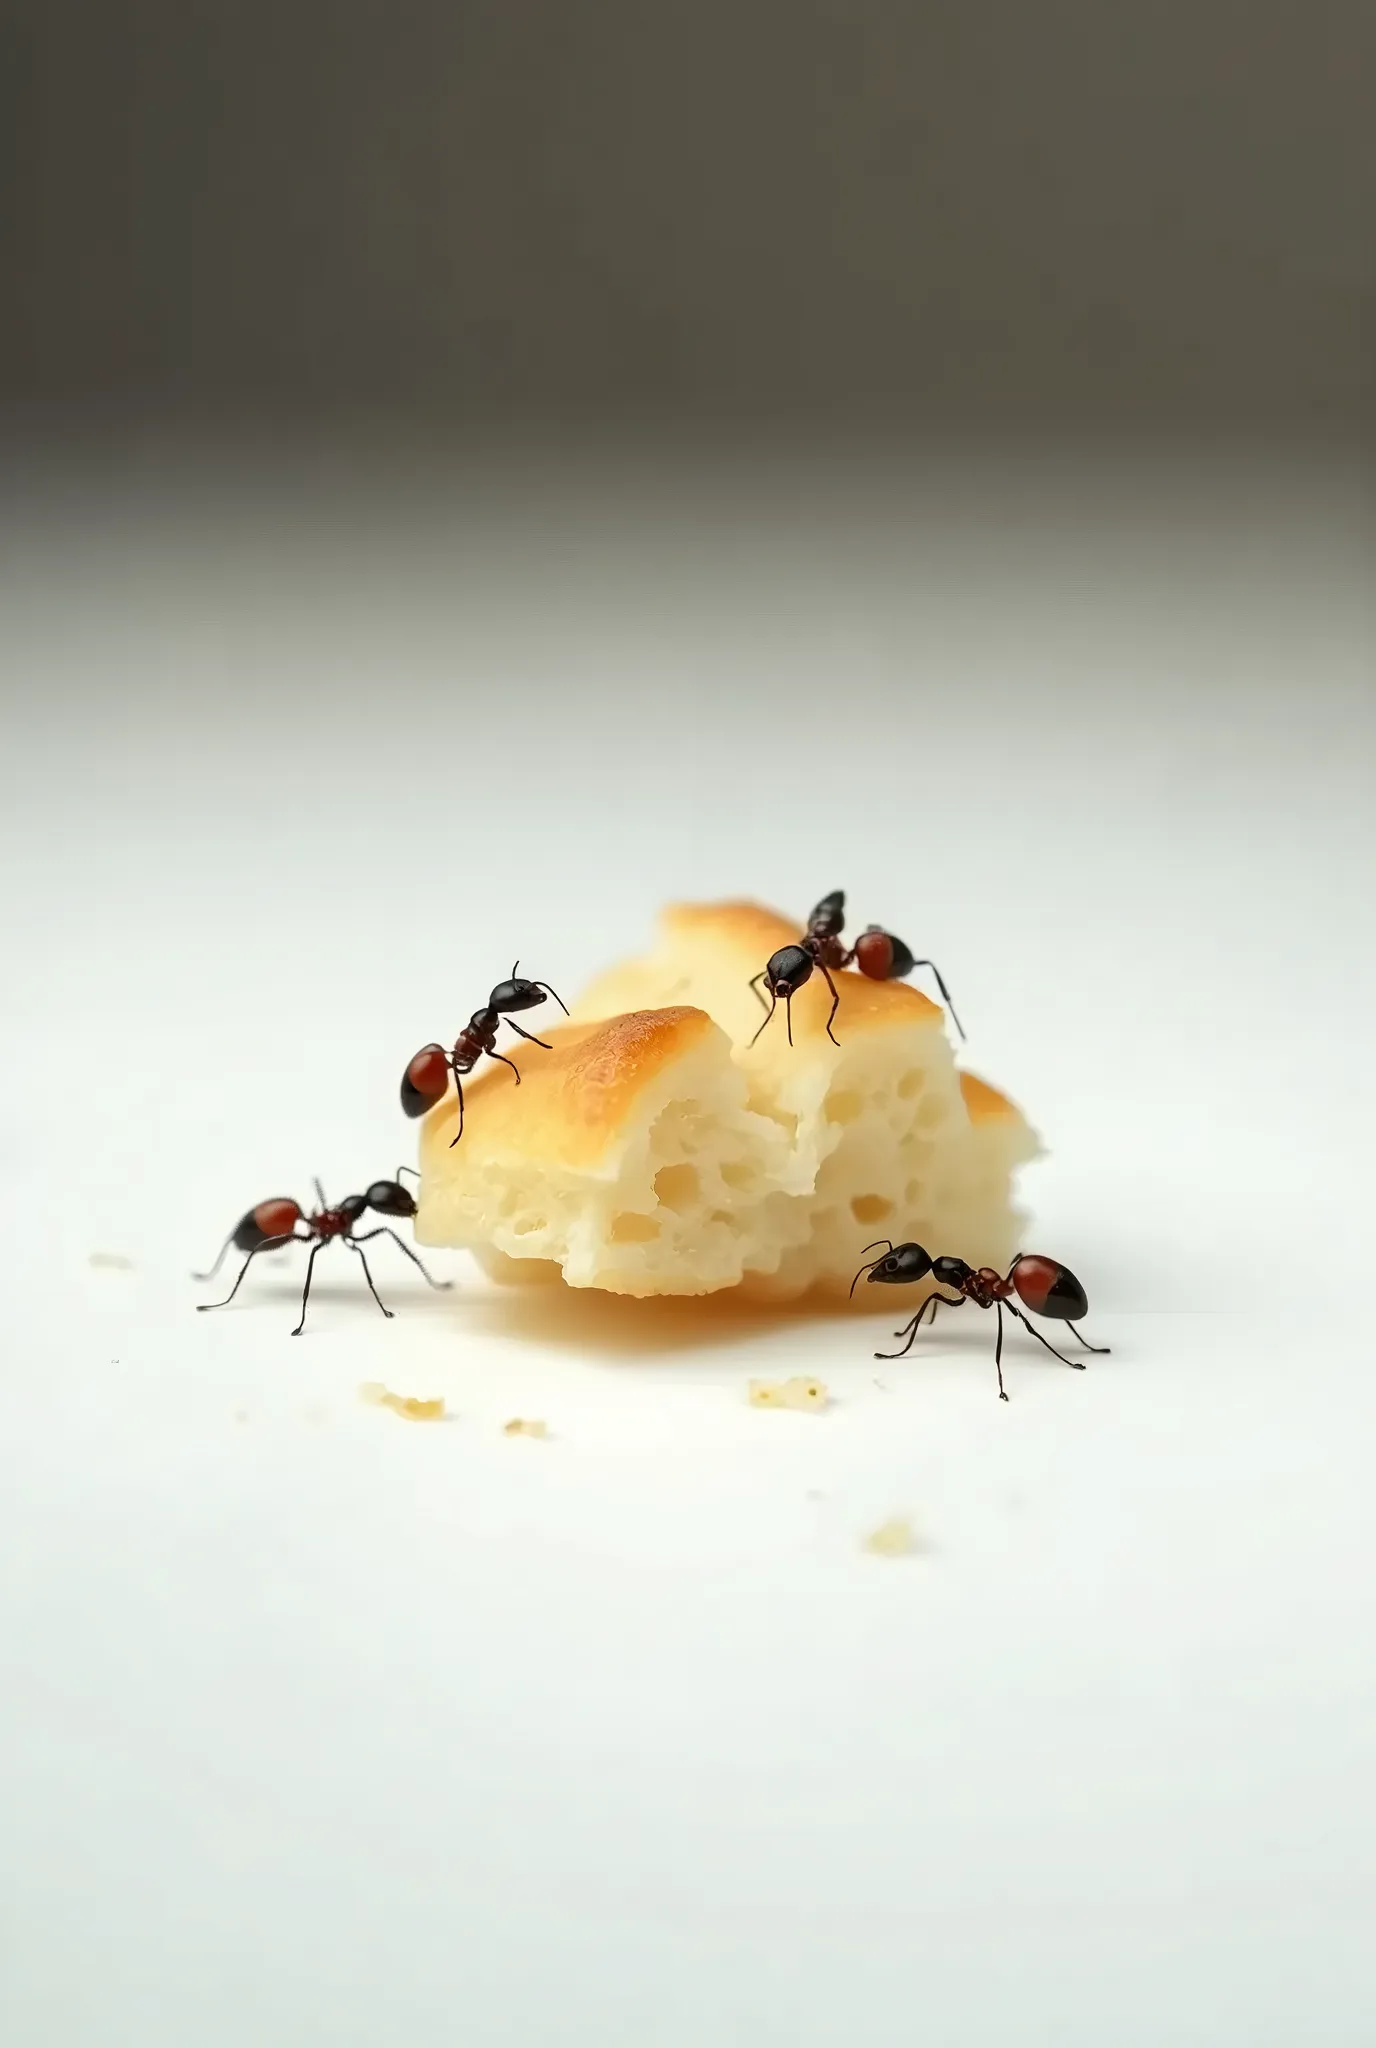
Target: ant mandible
[876,953]
[273,1224]
[427,1073]
[1042,1285]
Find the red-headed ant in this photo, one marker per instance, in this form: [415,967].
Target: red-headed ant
[1046,1287]
[427,1073]
[273,1224]
[876,953]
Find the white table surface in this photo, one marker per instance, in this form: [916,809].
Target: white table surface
[318,1727]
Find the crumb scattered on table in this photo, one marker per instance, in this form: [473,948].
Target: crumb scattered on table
[893,1538]
[521,1425]
[113,1262]
[414,1410]
[794,1393]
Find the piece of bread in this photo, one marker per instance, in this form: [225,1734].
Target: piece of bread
[626,1158]
[886,1138]
[655,1151]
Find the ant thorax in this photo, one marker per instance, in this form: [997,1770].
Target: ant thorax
[330,1223]
[474,1040]
[986,1287]
[830,950]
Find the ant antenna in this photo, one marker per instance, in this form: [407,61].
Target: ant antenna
[888,1247]
[773,1004]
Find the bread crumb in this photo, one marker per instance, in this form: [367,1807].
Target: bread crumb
[114,1262]
[521,1425]
[379,1396]
[794,1393]
[893,1538]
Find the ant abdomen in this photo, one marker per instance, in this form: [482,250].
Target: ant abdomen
[275,1218]
[1049,1288]
[881,956]
[425,1080]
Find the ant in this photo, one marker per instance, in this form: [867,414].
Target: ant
[427,1074]
[273,1224]
[1046,1287]
[876,953]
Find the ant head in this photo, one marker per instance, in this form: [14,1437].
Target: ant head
[390,1198]
[951,1272]
[897,1264]
[520,994]
[788,969]
[829,916]
[516,994]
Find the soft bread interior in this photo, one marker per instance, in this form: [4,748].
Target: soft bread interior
[627,1158]
[885,1137]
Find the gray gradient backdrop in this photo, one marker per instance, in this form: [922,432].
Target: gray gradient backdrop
[1059,215]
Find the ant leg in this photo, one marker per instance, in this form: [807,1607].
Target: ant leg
[219,1261]
[529,1036]
[306,1290]
[353,1247]
[788,1015]
[910,1330]
[1099,1350]
[936,1301]
[1076,1364]
[835,1000]
[269,1244]
[440,1286]
[509,1063]
[945,992]
[998,1351]
[755,981]
[552,992]
[458,1090]
[773,1005]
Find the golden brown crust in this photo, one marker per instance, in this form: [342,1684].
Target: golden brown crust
[749,925]
[574,1101]
[987,1104]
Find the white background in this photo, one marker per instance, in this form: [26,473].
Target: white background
[318,1727]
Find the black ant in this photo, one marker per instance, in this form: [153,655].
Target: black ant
[427,1074]
[876,953]
[1043,1285]
[273,1224]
